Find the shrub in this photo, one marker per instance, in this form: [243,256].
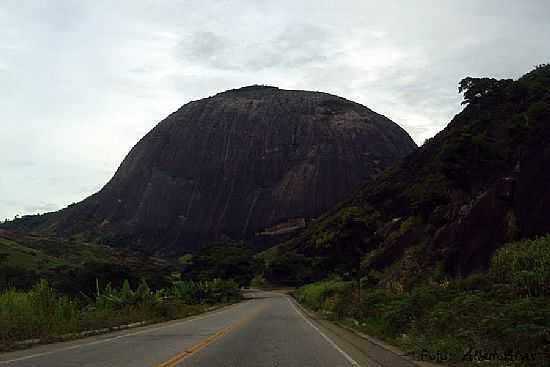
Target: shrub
[258,282]
[111,298]
[525,265]
[215,291]
[321,293]
[37,312]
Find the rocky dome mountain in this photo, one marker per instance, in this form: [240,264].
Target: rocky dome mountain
[243,162]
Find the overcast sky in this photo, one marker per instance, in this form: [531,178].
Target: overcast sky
[82,81]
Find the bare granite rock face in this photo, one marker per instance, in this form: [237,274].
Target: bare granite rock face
[234,165]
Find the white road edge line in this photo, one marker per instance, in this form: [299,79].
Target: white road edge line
[116,337]
[352,361]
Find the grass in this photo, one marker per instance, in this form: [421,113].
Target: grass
[43,254]
[27,257]
[504,313]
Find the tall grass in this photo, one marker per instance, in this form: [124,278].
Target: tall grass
[44,313]
[36,313]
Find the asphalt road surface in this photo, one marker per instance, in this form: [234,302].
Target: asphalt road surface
[268,330]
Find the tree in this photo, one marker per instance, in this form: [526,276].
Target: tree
[232,260]
[476,88]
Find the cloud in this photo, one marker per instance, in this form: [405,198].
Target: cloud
[82,82]
[296,45]
[41,208]
[204,47]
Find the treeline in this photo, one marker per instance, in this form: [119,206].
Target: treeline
[81,281]
[504,313]
[228,260]
[223,260]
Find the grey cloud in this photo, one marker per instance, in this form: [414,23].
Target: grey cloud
[19,163]
[8,202]
[419,129]
[42,208]
[205,47]
[297,45]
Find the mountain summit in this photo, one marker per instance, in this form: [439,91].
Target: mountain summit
[246,161]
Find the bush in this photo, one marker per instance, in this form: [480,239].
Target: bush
[525,265]
[291,269]
[215,291]
[116,299]
[258,282]
[35,313]
[322,293]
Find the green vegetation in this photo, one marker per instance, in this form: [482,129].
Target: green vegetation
[259,282]
[42,312]
[525,266]
[331,244]
[68,264]
[505,310]
[292,269]
[228,260]
[27,257]
[214,291]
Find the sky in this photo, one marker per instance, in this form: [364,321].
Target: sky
[82,81]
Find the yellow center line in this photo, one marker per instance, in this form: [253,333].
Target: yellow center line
[207,341]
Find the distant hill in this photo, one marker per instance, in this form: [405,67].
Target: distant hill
[72,265]
[250,163]
[479,183]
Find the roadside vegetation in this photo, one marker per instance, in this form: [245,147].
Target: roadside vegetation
[55,288]
[44,313]
[501,317]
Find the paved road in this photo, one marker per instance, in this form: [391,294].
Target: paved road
[268,330]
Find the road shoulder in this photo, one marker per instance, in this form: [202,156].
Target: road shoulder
[369,351]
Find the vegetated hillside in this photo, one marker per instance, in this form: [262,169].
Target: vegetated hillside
[252,162]
[476,185]
[72,265]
